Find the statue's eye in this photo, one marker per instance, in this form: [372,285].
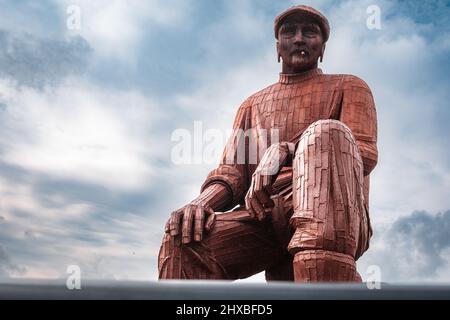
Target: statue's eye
[309,31]
[288,30]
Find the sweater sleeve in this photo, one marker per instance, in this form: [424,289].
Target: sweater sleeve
[233,168]
[359,114]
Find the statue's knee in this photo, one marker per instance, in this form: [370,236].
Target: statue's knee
[324,127]
[328,122]
[321,131]
[173,262]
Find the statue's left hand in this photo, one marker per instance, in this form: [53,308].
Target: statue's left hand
[258,200]
[190,221]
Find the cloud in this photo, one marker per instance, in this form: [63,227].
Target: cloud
[415,248]
[78,165]
[43,19]
[7,267]
[80,132]
[37,62]
[116,28]
[47,231]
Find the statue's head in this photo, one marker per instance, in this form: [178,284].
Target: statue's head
[301,34]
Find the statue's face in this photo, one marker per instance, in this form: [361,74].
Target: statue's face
[300,43]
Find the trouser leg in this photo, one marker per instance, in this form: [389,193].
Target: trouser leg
[283,271]
[329,216]
[279,218]
[237,247]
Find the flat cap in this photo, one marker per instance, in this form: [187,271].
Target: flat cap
[309,11]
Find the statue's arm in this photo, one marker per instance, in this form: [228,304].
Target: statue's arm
[359,114]
[216,196]
[232,173]
[223,188]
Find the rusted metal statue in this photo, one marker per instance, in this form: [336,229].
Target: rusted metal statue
[302,210]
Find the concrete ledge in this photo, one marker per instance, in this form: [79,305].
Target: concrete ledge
[213,290]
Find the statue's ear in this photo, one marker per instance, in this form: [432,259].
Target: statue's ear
[278,51]
[322,53]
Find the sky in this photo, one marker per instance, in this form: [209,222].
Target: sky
[88,108]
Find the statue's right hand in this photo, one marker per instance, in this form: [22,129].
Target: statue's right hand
[191,220]
[258,198]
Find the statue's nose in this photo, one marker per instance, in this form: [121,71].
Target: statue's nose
[298,38]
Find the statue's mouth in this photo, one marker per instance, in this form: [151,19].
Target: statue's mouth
[301,52]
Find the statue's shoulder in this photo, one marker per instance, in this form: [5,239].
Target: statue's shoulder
[262,94]
[349,81]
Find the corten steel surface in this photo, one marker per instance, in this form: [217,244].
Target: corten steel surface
[217,290]
[303,206]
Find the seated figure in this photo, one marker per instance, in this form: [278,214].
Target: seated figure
[300,211]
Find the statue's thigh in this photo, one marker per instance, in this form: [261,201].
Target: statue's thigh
[243,246]
[328,190]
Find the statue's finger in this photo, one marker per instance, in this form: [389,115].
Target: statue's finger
[264,198]
[267,185]
[209,211]
[256,182]
[199,223]
[210,222]
[174,224]
[259,210]
[188,218]
[252,186]
[248,206]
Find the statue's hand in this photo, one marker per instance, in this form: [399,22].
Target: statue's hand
[258,200]
[191,220]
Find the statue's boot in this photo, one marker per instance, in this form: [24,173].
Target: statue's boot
[324,266]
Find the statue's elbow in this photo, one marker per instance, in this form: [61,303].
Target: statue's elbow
[369,162]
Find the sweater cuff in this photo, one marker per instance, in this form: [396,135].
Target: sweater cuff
[232,181]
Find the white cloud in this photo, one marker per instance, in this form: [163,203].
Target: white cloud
[41,241]
[38,61]
[415,248]
[115,28]
[80,132]
[217,100]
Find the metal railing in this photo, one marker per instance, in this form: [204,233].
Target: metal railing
[212,290]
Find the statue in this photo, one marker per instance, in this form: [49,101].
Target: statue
[300,213]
